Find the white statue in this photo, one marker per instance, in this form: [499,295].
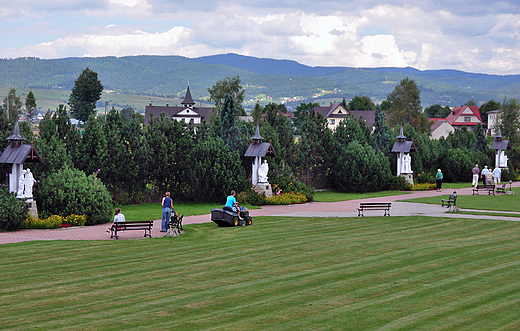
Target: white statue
[21,185]
[503,160]
[262,172]
[29,182]
[407,164]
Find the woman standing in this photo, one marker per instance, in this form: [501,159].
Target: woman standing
[438,179]
[167,205]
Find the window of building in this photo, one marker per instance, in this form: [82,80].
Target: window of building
[331,121]
[467,118]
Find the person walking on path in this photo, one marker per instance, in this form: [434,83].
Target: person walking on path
[497,172]
[167,210]
[484,172]
[438,179]
[475,171]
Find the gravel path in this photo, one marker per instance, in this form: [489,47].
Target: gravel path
[313,209]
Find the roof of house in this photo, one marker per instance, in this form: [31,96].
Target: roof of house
[438,123]
[327,112]
[173,111]
[464,111]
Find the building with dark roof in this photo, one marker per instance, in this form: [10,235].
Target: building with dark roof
[337,112]
[187,112]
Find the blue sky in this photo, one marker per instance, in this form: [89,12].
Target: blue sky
[474,36]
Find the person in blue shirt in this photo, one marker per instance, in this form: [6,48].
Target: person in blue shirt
[167,204]
[231,202]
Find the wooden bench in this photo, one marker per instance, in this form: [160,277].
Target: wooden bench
[451,201]
[374,206]
[501,189]
[176,222]
[123,226]
[489,188]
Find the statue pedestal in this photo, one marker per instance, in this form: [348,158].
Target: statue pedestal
[408,177]
[33,210]
[264,187]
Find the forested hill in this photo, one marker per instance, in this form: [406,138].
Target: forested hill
[264,79]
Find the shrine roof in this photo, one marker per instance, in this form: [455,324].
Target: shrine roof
[18,154]
[501,144]
[405,147]
[261,150]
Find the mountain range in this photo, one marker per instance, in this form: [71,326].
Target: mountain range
[265,79]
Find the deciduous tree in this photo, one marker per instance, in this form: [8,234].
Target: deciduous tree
[231,86]
[405,106]
[84,95]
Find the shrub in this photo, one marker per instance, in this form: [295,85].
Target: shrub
[457,165]
[286,199]
[70,191]
[359,168]
[425,178]
[251,197]
[285,182]
[12,210]
[398,183]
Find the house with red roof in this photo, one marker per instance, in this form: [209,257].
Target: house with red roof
[464,115]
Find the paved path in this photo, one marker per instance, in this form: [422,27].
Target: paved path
[313,209]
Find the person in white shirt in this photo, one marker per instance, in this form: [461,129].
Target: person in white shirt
[497,172]
[484,172]
[118,216]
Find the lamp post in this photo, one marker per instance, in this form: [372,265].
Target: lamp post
[510,183]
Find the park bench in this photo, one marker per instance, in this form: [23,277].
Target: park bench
[123,226]
[374,206]
[451,201]
[501,189]
[176,222]
[489,188]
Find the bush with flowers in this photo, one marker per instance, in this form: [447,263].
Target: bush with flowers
[75,220]
[425,177]
[423,187]
[252,197]
[51,222]
[286,199]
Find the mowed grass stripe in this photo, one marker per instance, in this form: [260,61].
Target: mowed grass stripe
[336,264]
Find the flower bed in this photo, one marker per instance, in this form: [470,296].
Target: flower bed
[54,222]
[286,199]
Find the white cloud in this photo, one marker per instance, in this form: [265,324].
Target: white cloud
[426,34]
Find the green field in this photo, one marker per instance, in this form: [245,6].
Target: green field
[335,196]
[51,99]
[502,202]
[377,273]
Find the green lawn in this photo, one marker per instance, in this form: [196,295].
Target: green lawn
[502,202]
[335,196]
[385,273]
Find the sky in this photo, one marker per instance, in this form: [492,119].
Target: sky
[475,36]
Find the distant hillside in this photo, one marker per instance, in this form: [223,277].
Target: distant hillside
[265,79]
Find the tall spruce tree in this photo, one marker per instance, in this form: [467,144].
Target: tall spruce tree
[30,105]
[228,126]
[381,139]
